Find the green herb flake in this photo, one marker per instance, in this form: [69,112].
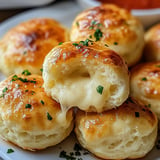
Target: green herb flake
[77,23]
[98,34]
[93,22]
[90,36]
[91,27]
[26,90]
[14,78]
[86,42]
[49,117]
[41,69]
[137,114]
[26,72]
[115,43]
[25,52]
[60,43]
[10,150]
[33,81]
[148,106]
[77,147]
[28,106]
[63,154]
[106,45]
[157,65]
[5,90]
[99,24]
[2,95]
[144,79]
[75,44]
[42,102]
[99,89]
[33,92]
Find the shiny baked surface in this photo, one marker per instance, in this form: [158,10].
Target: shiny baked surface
[28,117]
[145,84]
[93,77]
[128,131]
[152,44]
[120,30]
[26,45]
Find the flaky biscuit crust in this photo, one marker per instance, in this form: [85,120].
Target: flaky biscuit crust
[121,31]
[26,45]
[28,117]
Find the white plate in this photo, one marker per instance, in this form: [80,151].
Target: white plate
[65,13]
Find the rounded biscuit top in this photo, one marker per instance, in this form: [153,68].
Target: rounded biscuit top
[113,26]
[152,45]
[29,118]
[86,75]
[145,85]
[26,45]
[71,50]
[128,131]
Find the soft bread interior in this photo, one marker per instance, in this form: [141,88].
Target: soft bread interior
[75,84]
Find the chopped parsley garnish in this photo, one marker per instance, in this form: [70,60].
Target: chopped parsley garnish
[91,27]
[144,79]
[77,147]
[32,81]
[26,72]
[33,92]
[77,23]
[115,43]
[25,52]
[60,43]
[137,114]
[5,90]
[26,90]
[75,44]
[63,154]
[10,150]
[28,106]
[99,24]
[41,69]
[106,45]
[42,102]
[15,77]
[99,89]
[49,116]
[93,22]
[2,95]
[85,43]
[158,66]
[148,106]
[98,34]
[90,36]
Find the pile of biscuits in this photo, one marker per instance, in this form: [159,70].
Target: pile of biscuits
[92,68]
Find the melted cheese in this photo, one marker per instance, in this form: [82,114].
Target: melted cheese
[81,92]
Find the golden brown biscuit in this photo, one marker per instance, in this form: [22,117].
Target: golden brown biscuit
[89,76]
[26,45]
[145,85]
[112,26]
[152,44]
[28,117]
[128,131]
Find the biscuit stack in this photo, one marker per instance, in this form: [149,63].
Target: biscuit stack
[90,73]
